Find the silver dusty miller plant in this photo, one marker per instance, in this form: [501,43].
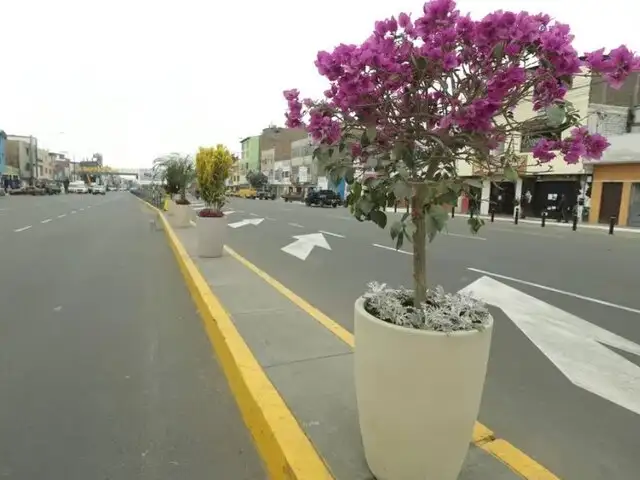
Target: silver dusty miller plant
[441,312]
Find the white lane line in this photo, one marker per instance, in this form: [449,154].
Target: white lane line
[557,290]
[89,206]
[270,219]
[17,230]
[254,214]
[297,225]
[332,234]
[459,235]
[73,211]
[46,221]
[82,209]
[392,249]
[240,211]
[62,215]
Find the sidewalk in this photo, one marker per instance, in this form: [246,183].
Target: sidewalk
[310,367]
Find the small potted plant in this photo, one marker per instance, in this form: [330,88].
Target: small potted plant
[213,167]
[418,98]
[181,170]
[167,169]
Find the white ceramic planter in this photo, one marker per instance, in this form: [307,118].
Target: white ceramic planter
[181,215]
[418,395]
[212,235]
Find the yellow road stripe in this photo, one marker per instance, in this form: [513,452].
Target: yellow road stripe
[482,436]
[284,447]
[273,429]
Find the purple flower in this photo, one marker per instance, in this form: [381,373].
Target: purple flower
[447,75]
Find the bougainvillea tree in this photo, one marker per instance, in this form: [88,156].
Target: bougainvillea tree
[421,95]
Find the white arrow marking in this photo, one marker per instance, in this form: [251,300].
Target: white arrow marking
[246,221]
[576,347]
[304,244]
[229,212]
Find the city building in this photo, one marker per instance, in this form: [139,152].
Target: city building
[3,160]
[45,165]
[61,166]
[615,181]
[604,110]
[21,154]
[251,157]
[302,172]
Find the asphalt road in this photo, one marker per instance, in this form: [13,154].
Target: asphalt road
[105,369]
[527,400]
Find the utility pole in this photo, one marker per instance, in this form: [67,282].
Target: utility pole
[36,170]
[31,159]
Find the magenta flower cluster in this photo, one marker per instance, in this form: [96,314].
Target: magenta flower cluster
[471,71]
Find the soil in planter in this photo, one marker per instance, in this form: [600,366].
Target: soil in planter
[210,213]
[441,312]
[181,201]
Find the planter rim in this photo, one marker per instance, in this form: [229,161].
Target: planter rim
[415,331]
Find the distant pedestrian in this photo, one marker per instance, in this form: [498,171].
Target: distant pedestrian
[562,209]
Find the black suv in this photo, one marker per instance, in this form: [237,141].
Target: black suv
[323,198]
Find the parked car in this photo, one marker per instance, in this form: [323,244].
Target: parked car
[50,188]
[35,191]
[78,187]
[266,193]
[248,193]
[322,198]
[98,189]
[293,197]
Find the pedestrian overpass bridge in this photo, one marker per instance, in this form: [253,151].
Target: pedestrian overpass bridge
[139,173]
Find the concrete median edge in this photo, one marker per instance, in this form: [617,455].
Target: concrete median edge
[286,451]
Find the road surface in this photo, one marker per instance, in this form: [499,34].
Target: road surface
[574,432]
[105,369]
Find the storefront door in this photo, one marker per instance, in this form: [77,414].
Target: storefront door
[634,206]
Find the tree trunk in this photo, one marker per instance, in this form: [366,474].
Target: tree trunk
[419,245]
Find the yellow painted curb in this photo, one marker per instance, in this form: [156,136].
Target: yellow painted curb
[285,449]
[482,436]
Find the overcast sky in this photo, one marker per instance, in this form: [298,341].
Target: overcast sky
[135,79]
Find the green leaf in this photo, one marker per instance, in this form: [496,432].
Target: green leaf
[342,147]
[432,228]
[364,140]
[396,229]
[439,215]
[365,205]
[409,229]
[555,115]
[379,218]
[399,241]
[420,62]
[510,173]
[498,51]
[401,189]
[475,224]
[349,175]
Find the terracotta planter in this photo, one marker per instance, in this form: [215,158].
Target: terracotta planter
[418,395]
[212,235]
